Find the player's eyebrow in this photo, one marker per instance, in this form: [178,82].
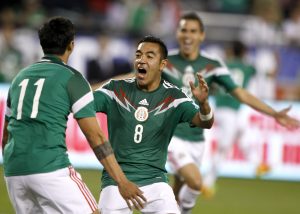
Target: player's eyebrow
[148,52]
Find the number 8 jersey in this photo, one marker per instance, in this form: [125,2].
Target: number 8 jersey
[140,126]
[39,101]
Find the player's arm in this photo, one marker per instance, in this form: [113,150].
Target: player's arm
[118,77]
[4,136]
[280,116]
[204,118]
[104,153]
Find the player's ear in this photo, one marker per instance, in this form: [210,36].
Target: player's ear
[71,46]
[202,36]
[163,64]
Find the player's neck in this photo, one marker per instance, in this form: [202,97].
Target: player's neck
[191,56]
[64,57]
[151,86]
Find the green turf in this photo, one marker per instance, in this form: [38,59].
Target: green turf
[234,196]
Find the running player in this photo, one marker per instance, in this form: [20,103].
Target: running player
[187,145]
[143,113]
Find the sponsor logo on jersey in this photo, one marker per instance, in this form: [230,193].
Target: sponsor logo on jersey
[141,114]
[144,102]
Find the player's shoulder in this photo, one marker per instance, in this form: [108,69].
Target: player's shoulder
[212,59]
[173,55]
[60,67]
[119,82]
[172,89]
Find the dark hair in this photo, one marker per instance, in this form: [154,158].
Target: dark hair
[162,46]
[55,35]
[238,48]
[193,16]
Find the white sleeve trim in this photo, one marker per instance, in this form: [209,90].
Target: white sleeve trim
[82,102]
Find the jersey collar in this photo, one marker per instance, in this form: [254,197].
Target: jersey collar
[52,58]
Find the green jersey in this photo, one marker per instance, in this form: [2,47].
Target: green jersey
[180,72]
[39,101]
[140,126]
[241,73]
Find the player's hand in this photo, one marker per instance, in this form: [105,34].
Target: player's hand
[132,195]
[285,120]
[201,91]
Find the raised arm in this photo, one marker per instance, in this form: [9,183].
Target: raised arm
[104,153]
[204,118]
[280,116]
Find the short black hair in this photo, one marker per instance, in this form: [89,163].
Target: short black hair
[193,16]
[55,35]
[162,45]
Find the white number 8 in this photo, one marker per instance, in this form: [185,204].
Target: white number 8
[138,133]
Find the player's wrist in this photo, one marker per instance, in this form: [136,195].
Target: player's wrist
[206,117]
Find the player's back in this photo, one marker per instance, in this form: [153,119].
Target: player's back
[39,105]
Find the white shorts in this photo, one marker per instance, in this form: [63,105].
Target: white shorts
[160,200]
[181,153]
[61,191]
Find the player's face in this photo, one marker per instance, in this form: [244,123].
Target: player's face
[148,65]
[189,37]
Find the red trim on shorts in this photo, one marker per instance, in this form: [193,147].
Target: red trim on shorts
[83,189]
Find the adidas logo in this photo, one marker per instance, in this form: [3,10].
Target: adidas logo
[144,102]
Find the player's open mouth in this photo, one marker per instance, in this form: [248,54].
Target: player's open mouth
[142,71]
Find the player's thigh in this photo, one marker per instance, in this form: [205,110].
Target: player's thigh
[111,201]
[160,199]
[191,175]
[21,197]
[62,191]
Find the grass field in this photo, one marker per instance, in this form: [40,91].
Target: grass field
[234,196]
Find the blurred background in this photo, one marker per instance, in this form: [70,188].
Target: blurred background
[108,29]
[107,32]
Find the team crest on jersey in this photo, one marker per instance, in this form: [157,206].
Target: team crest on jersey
[188,76]
[141,114]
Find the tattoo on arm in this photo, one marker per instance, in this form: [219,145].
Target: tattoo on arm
[103,150]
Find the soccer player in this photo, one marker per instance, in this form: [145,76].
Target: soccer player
[38,173]
[142,114]
[227,110]
[187,145]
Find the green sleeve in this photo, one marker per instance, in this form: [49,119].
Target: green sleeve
[81,97]
[103,97]
[188,111]
[226,81]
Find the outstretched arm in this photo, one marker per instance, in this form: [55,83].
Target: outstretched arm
[280,116]
[104,153]
[204,118]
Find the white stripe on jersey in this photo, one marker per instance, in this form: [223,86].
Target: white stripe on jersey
[174,104]
[82,102]
[112,95]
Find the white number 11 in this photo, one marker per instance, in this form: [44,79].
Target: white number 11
[36,99]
